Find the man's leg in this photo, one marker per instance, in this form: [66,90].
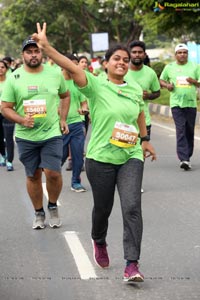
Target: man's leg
[34,188]
[66,140]
[181,141]
[29,155]
[35,191]
[190,125]
[53,184]
[77,148]
[51,156]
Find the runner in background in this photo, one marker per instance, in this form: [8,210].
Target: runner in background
[145,76]
[182,78]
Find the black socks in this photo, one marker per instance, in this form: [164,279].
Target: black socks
[52,205]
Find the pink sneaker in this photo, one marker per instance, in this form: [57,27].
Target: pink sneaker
[100,255]
[132,273]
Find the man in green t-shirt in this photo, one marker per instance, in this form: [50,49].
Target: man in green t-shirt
[144,76]
[30,99]
[182,78]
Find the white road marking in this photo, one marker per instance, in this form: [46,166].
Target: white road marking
[81,258]
[171,129]
[46,194]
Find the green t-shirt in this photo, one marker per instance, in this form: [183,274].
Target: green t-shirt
[41,90]
[148,80]
[183,94]
[108,104]
[76,97]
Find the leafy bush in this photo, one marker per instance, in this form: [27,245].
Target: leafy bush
[158,67]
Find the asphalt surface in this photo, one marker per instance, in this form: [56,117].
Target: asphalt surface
[57,264]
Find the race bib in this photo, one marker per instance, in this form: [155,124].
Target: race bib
[35,108]
[124,135]
[182,82]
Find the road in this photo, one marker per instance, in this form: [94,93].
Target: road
[57,264]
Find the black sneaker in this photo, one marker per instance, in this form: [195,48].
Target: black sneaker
[185,165]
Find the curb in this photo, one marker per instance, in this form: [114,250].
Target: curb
[165,111]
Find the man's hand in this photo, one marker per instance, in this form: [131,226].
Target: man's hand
[145,95]
[28,121]
[170,86]
[193,81]
[64,127]
[83,112]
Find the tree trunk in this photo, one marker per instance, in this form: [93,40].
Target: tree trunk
[135,32]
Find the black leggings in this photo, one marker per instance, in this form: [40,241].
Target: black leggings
[103,178]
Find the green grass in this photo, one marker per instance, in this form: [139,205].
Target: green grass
[164,99]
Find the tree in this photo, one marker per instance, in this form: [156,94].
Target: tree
[70,22]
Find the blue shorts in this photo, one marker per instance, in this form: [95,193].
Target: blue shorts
[43,154]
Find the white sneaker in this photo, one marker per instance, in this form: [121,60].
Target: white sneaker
[54,219]
[38,222]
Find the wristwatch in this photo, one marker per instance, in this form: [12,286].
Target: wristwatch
[145,138]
